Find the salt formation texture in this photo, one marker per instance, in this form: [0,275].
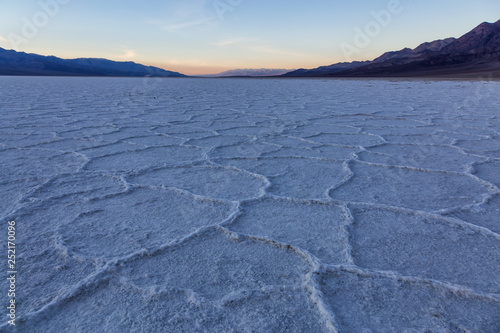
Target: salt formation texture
[205,205]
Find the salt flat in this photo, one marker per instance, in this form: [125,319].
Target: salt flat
[238,205]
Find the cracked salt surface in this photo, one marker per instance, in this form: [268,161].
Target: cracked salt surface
[252,205]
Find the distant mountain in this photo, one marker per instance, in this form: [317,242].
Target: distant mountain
[338,67]
[253,72]
[424,48]
[20,63]
[483,40]
[476,52]
[421,50]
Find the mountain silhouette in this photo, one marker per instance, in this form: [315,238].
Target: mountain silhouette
[475,53]
[20,63]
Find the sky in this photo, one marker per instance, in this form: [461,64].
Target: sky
[211,36]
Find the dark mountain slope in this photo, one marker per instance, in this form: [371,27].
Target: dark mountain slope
[476,52]
[20,63]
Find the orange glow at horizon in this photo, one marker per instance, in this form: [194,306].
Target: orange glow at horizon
[191,70]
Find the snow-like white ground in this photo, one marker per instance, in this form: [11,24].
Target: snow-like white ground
[202,205]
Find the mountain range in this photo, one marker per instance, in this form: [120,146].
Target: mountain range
[475,53]
[20,63]
[253,72]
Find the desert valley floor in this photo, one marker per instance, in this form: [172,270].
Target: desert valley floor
[252,205]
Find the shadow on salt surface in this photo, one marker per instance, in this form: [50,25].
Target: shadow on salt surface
[139,219]
[419,156]
[364,302]
[389,240]
[210,181]
[316,227]
[485,215]
[293,177]
[209,283]
[146,158]
[409,188]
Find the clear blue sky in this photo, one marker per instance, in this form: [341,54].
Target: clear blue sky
[209,36]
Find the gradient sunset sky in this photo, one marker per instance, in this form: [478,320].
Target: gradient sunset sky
[210,36]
